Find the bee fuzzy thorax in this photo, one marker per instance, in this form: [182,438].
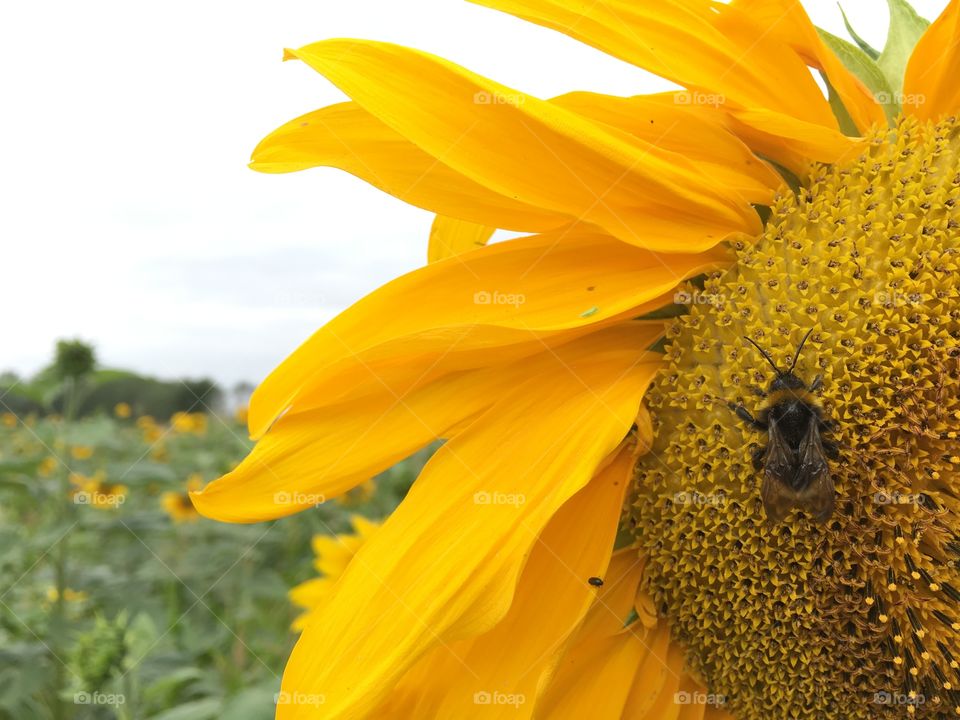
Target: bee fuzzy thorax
[799,618]
[778,397]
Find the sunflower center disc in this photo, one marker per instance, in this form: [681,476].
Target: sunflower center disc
[858,617]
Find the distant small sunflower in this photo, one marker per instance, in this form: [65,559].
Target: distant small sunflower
[189,422]
[332,555]
[96,492]
[81,452]
[178,504]
[578,418]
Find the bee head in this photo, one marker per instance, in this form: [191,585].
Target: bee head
[785,379]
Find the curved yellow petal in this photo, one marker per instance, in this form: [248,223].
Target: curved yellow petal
[446,563]
[544,155]
[930,82]
[311,592]
[346,136]
[787,21]
[491,305]
[450,237]
[595,682]
[513,658]
[792,143]
[310,457]
[665,121]
[706,46]
[652,695]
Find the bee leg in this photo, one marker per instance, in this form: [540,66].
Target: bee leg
[745,415]
[759,392]
[817,383]
[757,457]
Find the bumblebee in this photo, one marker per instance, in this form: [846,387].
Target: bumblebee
[796,471]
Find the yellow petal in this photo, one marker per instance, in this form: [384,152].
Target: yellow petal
[512,658]
[491,305]
[596,681]
[364,527]
[652,696]
[525,148]
[334,553]
[446,563]
[346,136]
[787,21]
[596,672]
[451,236]
[792,143]
[663,120]
[713,48]
[930,83]
[615,600]
[311,593]
[310,457]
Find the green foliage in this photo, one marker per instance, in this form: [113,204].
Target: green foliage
[97,653]
[159,619]
[73,377]
[906,27]
[73,359]
[881,72]
[148,396]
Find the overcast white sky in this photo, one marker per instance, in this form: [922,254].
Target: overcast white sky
[129,217]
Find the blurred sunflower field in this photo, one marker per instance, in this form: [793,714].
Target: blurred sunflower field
[117,600]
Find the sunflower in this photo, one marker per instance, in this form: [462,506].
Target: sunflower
[96,492]
[177,504]
[590,540]
[189,422]
[332,555]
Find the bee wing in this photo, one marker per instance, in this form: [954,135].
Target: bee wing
[778,467]
[817,493]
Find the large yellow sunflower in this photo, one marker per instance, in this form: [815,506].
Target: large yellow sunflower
[590,541]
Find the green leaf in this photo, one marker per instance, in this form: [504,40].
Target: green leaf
[205,709]
[253,704]
[872,52]
[847,126]
[906,27]
[859,63]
